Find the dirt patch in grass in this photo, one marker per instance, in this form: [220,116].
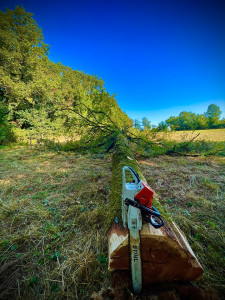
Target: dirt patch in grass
[193,191]
[53,209]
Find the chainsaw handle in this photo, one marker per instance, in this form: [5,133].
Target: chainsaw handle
[144,209]
[133,173]
[151,216]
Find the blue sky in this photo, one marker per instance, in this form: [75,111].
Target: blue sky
[160,57]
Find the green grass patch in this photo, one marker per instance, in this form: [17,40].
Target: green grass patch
[193,191]
[53,207]
[53,212]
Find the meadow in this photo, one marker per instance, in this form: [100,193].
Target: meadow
[211,135]
[54,210]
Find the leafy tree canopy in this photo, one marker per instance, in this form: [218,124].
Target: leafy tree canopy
[213,114]
[44,96]
[192,121]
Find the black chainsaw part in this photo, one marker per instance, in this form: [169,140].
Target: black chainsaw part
[135,174]
[144,209]
[151,216]
[155,221]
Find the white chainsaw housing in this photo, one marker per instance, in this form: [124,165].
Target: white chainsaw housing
[133,220]
[130,213]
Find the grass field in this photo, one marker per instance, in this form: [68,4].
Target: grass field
[211,135]
[52,215]
[53,212]
[193,191]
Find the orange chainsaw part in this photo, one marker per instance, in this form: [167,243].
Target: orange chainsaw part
[145,196]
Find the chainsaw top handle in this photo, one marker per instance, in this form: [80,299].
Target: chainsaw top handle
[133,173]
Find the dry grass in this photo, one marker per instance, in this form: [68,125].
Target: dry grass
[37,138]
[211,135]
[53,209]
[193,191]
[53,212]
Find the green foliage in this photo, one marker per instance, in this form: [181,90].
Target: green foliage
[47,98]
[142,125]
[21,52]
[192,121]
[146,124]
[6,132]
[151,148]
[187,121]
[213,114]
[137,124]
[163,126]
[204,148]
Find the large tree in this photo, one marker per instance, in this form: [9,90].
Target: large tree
[42,94]
[22,52]
[213,114]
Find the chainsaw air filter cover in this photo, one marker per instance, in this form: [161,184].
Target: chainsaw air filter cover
[145,196]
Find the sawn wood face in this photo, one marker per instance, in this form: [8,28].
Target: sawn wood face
[166,254]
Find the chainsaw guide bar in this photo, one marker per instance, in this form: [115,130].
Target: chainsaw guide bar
[137,199]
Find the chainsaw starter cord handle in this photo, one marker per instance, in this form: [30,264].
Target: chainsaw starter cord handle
[156,222]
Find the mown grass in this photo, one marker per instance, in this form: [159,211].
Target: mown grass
[210,135]
[53,209]
[193,191]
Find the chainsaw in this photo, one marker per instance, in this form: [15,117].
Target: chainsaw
[137,207]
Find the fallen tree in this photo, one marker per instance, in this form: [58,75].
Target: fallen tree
[166,254]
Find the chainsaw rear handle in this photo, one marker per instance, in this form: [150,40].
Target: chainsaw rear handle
[151,216]
[133,173]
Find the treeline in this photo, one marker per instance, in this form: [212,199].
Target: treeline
[38,95]
[187,121]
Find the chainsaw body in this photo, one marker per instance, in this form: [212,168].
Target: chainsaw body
[130,189]
[137,199]
[132,219]
[139,194]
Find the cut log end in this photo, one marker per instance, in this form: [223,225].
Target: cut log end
[166,254]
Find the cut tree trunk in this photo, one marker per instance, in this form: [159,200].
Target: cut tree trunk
[165,252]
